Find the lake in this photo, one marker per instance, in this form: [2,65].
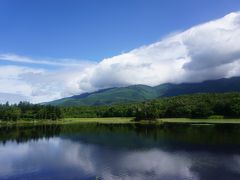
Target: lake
[126,151]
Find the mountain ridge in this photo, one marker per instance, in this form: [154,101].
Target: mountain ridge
[138,93]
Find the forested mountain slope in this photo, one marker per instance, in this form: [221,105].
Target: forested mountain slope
[138,93]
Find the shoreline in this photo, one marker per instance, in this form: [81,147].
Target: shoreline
[122,120]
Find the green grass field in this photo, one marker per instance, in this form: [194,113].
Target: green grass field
[115,120]
[200,121]
[122,120]
[118,120]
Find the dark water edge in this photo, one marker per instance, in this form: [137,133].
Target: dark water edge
[120,151]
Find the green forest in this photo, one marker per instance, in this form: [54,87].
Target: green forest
[209,105]
[27,111]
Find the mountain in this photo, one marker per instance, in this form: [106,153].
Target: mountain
[137,93]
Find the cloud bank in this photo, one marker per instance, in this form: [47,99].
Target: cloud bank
[207,51]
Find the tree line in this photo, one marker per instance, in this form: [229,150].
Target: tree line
[225,105]
[207,105]
[27,111]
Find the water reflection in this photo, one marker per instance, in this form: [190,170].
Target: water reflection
[119,152]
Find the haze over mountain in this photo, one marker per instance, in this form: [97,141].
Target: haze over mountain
[138,93]
[206,51]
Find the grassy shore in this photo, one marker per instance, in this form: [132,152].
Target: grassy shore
[118,120]
[199,121]
[122,120]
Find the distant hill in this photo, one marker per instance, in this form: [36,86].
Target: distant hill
[137,93]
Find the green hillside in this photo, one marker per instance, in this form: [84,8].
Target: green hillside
[138,93]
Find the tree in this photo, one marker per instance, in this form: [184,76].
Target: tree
[202,110]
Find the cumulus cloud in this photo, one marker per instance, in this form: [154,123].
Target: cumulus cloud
[38,85]
[213,44]
[207,51]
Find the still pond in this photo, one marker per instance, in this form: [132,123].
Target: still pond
[126,151]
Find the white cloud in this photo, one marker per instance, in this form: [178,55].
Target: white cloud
[13,98]
[206,51]
[11,83]
[51,62]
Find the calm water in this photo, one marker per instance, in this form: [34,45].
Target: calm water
[120,152]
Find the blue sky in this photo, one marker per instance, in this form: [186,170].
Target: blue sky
[50,49]
[97,29]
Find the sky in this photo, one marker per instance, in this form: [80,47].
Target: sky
[58,48]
